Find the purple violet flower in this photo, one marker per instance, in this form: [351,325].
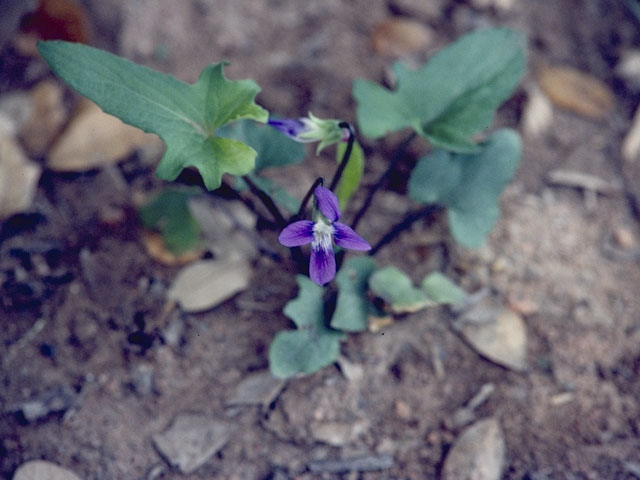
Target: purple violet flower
[321,234]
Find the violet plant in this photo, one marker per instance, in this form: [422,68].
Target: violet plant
[215,127]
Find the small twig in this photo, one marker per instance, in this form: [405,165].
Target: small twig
[346,157]
[399,154]
[267,201]
[404,225]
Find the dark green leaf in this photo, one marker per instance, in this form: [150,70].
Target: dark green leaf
[312,346]
[185,116]
[352,307]
[469,185]
[169,213]
[273,148]
[453,97]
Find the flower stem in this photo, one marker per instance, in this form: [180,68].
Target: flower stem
[267,201]
[399,154]
[345,158]
[404,225]
[303,205]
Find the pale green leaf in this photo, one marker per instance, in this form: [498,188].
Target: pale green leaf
[453,97]
[441,289]
[185,116]
[313,345]
[352,174]
[397,290]
[469,185]
[353,307]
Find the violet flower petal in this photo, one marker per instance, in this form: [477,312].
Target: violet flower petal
[327,203]
[297,233]
[345,237]
[290,127]
[322,266]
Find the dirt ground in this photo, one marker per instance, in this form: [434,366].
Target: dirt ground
[94,366]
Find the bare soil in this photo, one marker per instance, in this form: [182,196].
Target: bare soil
[85,329]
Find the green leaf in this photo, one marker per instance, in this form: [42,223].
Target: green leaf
[441,289]
[273,149]
[352,307]
[453,97]
[312,346]
[397,290]
[185,116]
[469,185]
[169,213]
[352,173]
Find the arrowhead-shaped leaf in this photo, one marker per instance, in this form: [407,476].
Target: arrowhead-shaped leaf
[469,185]
[453,97]
[185,116]
[313,345]
[353,307]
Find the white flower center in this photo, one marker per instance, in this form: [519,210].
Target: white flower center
[322,236]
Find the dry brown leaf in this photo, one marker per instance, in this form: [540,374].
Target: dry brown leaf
[46,119]
[206,283]
[478,454]
[398,37]
[154,244]
[18,178]
[497,333]
[576,91]
[94,138]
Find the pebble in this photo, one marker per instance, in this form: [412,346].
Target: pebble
[56,400]
[141,377]
[367,463]
[191,440]
[338,434]
[624,238]
[43,470]
[258,389]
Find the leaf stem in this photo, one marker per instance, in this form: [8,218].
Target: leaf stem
[267,201]
[345,157]
[404,225]
[398,155]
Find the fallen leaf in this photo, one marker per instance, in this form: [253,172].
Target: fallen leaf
[576,91]
[478,454]
[204,284]
[538,113]
[41,469]
[496,333]
[156,248]
[631,142]
[397,37]
[59,20]
[45,120]
[94,138]
[18,178]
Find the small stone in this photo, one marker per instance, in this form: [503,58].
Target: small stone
[338,434]
[56,400]
[398,37]
[141,376]
[18,178]
[191,440]
[43,470]
[367,463]
[257,389]
[624,238]
[403,410]
[15,109]
[46,119]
